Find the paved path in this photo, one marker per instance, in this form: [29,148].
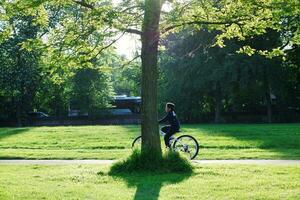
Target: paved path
[65,162]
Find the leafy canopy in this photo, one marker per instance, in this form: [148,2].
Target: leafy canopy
[82,22]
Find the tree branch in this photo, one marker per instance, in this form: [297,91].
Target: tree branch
[129,8]
[107,46]
[285,45]
[197,22]
[129,62]
[135,31]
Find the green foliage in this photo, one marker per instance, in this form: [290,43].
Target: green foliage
[60,38]
[199,76]
[171,162]
[238,19]
[127,79]
[90,91]
[20,72]
[76,21]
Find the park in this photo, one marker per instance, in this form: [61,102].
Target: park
[149,99]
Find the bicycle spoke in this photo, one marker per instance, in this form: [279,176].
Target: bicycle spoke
[187,146]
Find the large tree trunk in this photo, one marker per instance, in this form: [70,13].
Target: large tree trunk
[150,38]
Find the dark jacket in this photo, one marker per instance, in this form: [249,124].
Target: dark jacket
[171,118]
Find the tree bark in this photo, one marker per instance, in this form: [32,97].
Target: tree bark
[150,39]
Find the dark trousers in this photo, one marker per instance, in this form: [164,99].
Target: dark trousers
[169,131]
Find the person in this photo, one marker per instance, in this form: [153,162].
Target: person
[173,123]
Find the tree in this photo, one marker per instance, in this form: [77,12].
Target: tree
[150,39]
[206,71]
[90,90]
[20,73]
[268,68]
[126,77]
[202,78]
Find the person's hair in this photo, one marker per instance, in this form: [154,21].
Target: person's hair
[170,105]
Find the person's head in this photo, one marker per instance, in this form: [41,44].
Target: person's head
[169,107]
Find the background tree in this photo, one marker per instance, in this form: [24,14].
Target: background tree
[90,91]
[126,77]
[20,73]
[192,68]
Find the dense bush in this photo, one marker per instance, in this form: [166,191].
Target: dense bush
[170,162]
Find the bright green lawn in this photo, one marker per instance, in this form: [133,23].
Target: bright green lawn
[276,141]
[92,182]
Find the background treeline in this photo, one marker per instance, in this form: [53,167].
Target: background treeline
[36,79]
[212,84]
[206,82]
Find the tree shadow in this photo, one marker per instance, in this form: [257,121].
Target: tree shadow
[7,132]
[281,138]
[11,158]
[148,185]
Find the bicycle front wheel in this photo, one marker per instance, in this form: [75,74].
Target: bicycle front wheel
[187,146]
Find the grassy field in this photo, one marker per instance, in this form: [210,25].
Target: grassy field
[93,182]
[276,141]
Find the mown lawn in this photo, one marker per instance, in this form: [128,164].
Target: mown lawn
[276,141]
[94,182]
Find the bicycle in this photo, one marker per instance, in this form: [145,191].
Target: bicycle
[184,144]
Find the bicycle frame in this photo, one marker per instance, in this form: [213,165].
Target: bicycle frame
[173,141]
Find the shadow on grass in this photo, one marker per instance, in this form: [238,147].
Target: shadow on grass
[7,132]
[148,172]
[148,185]
[281,138]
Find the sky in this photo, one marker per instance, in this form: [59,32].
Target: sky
[128,45]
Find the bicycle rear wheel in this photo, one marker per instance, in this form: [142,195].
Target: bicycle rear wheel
[187,146]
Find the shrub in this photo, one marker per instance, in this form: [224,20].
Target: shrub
[170,162]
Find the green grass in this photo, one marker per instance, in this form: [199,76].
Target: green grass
[170,162]
[93,182]
[276,141]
